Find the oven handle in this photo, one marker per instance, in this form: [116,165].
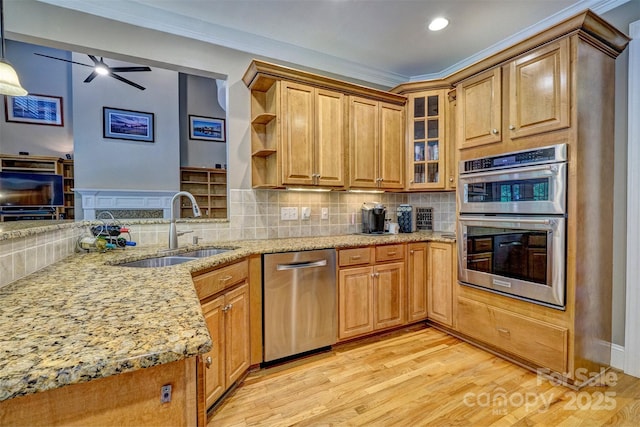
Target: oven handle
[503,219]
[553,168]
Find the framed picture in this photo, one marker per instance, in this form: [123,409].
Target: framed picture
[34,109]
[126,124]
[206,128]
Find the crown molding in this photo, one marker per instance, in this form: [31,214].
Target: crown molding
[142,15]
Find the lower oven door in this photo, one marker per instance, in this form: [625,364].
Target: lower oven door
[521,257]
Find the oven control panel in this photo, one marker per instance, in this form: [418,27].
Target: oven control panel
[552,154]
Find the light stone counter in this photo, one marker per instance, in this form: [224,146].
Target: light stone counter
[85,318]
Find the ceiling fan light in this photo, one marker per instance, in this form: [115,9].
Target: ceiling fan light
[102,70]
[9,82]
[438,24]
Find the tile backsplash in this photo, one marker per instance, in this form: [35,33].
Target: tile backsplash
[253,214]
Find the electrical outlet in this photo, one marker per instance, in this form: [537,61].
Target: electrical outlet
[289,214]
[324,213]
[165,393]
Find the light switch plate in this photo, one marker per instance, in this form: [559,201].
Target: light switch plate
[305,213]
[324,213]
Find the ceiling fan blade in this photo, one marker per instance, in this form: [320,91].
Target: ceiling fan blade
[129,82]
[128,69]
[94,59]
[61,59]
[91,76]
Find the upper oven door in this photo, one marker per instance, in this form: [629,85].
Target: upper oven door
[537,189]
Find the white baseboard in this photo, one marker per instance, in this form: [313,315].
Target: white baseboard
[617,356]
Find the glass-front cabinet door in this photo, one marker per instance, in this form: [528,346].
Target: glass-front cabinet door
[426,140]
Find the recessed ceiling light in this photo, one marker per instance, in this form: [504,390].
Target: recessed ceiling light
[438,24]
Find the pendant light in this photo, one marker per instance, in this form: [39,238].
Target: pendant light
[9,83]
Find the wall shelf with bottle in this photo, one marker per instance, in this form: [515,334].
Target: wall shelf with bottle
[209,187]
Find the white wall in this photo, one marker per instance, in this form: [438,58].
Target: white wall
[199,97]
[44,77]
[123,164]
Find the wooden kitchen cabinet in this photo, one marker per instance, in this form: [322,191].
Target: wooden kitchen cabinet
[479,106]
[313,141]
[224,294]
[227,318]
[371,296]
[526,96]
[539,90]
[355,302]
[555,87]
[300,128]
[427,152]
[440,265]
[417,282]
[376,144]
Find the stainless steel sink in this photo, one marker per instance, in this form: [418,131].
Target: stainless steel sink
[164,261]
[202,253]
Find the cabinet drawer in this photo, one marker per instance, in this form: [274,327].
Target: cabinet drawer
[354,256]
[531,339]
[389,253]
[215,281]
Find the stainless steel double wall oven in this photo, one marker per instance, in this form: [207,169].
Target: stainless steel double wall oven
[512,224]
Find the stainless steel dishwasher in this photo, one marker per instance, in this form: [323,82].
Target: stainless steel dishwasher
[299,300]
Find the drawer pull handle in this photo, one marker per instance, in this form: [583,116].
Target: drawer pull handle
[227,307]
[389,253]
[225,279]
[355,257]
[504,331]
[208,362]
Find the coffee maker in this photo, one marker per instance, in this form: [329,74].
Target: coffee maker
[373,214]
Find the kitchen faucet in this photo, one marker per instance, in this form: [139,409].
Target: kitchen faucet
[173,233]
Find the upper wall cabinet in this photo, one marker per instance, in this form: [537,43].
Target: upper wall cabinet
[427,145]
[300,126]
[535,100]
[312,136]
[430,147]
[376,144]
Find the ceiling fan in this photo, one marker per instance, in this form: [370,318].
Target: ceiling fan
[101,68]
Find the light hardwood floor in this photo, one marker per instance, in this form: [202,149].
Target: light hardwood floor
[421,377]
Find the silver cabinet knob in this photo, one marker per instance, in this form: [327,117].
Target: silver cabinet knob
[512,127]
[451,179]
[495,131]
[208,362]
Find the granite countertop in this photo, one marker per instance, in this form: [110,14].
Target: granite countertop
[85,318]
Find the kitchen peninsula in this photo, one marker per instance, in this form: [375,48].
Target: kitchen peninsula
[141,320]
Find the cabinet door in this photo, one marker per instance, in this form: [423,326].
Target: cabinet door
[451,141]
[330,157]
[479,109]
[539,90]
[391,157]
[389,295]
[363,143]
[426,152]
[355,302]
[297,133]
[213,361]
[237,332]
[440,283]
[417,282]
